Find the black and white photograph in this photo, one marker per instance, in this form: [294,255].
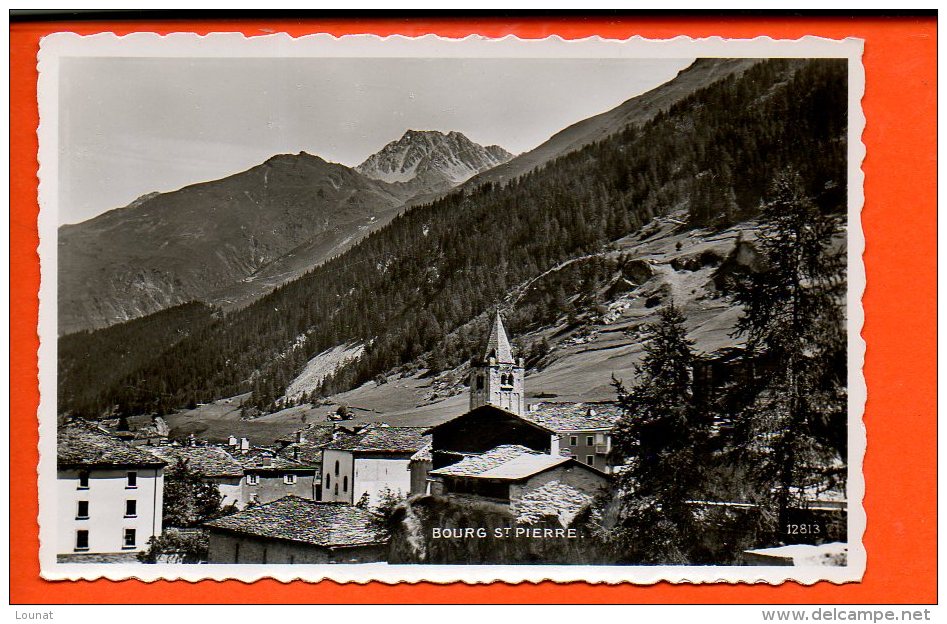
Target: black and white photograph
[431,309]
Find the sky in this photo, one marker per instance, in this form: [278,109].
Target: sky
[130,126]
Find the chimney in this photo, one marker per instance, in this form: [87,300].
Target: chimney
[232,441]
[192,440]
[244,445]
[300,437]
[267,461]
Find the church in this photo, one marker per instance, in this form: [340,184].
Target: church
[500,450]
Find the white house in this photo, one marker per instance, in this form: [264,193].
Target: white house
[109,495]
[379,459]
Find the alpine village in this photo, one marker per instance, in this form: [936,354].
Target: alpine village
[627,346]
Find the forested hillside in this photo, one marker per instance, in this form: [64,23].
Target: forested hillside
[92,360]
[438,266]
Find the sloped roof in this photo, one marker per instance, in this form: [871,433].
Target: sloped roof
[383,440]
[424,454]
[295,519]
[209,461]
[309,451]
[489,407]
[316,433]
[510,462]
[498,346]
[561,417]
[266,462]
[306,452]
[86,446]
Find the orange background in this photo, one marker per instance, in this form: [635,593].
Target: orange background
[900,303]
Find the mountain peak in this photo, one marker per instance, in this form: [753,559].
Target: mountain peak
[433,158]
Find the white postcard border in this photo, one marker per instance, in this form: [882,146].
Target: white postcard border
[59,45]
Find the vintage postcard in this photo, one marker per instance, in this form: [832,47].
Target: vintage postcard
[406,309]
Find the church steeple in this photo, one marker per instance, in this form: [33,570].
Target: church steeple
[498,378]
[498,347]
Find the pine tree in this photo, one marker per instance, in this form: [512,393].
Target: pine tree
[657,442]
[792,317]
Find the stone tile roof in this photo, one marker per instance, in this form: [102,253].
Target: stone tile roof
[383,440]
[209,461]
[315,433]
[510,462]
[260,462]
[308,452]
[86,446]
[552,500]
[425,453]
[330,525]
[564,417]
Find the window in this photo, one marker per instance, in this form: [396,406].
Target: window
[336,467]
[328,481]
[336,489]
[131,508]
[345,484]
[289,479]
[479,382]
[82,540]
[253,479]
[574,441]
[129,540]
[83,479]
[132,480]
[82,510]
[590,460]
[589,440]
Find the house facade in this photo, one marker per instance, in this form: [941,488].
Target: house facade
[109,495]
[294,530]
[268,478]
[369,464]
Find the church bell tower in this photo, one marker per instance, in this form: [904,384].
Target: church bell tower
[498,378]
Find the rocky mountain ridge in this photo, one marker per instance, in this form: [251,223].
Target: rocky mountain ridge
[432,160]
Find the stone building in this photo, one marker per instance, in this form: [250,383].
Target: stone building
[519,481]
[109,496]
[297,531]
